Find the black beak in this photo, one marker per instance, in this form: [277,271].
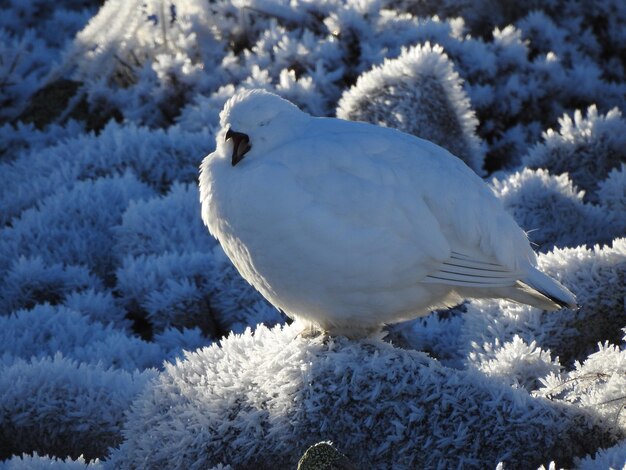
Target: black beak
[241,145]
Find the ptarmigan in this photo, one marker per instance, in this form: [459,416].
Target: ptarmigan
[350,226]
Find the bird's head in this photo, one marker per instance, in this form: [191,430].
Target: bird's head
[254,120]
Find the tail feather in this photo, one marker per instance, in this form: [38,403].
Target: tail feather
[540,290]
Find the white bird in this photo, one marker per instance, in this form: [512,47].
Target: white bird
[350,226]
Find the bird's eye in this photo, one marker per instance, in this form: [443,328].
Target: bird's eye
[263,123]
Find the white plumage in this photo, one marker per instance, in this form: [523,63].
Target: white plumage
[350,226]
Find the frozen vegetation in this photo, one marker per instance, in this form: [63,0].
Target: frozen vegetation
[128,340]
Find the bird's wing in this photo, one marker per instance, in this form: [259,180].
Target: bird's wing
[437,210]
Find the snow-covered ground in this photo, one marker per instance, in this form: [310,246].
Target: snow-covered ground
[107,274]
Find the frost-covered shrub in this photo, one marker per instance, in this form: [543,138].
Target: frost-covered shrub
[182,303]
[155,157]
[46,330]
[589,27]
[24,64]
[191,289]
[552,211]
[543,35]
[30,281]
[516,362]
[599,383]
[438,334]
[498,333]
[368,34]
[510,96]
[44,462]
[202,113]
[419,93]
[587,148]
[262,399]
[519,90]
[612,458]
[173,341]
[53,24]
[169,223]
[516,89]
[296,64]
[169,289]
[98,306]
[73,226]
[481,15]
[612,192]
[57,406]
[304,51]
[238,303]
[146,59]
[597,276]
[597,29]
[19,138]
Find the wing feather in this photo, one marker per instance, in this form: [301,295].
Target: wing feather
[466,271]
